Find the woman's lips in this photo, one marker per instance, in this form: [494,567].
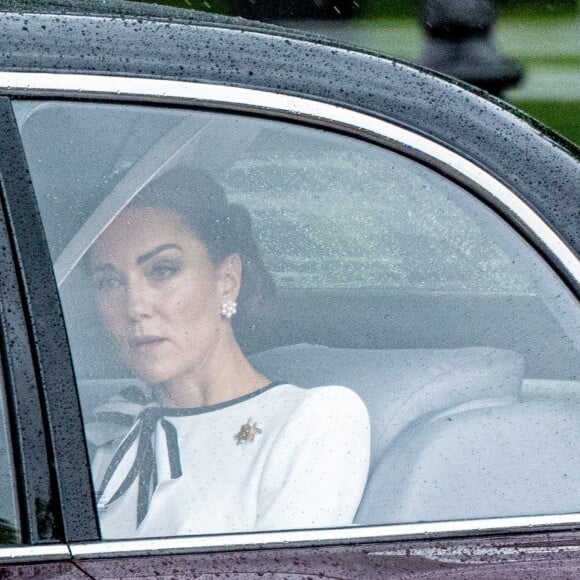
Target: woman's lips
[146,344]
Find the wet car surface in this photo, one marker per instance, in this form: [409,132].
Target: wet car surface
[475,431]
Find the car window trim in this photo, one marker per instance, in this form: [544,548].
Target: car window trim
[335,536]
[234,99]
[280,539]
[492,190]
[27,554]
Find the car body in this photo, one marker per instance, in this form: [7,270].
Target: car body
[422,235]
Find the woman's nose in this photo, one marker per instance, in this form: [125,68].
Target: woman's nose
[139,301]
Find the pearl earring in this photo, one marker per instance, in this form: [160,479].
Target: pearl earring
[229,308]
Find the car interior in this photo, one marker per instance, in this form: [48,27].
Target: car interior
[392,279]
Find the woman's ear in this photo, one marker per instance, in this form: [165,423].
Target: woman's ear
[230,277]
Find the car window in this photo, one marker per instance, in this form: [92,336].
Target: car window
[421,307]
[9,528]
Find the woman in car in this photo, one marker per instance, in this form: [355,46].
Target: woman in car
[214,446]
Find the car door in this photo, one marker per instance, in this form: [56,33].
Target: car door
[427,276]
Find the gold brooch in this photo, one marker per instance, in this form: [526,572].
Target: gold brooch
[247,432]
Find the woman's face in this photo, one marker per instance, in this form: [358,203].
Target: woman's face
[159,294]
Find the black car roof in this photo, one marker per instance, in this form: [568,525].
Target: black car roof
[105,7]
[136,9]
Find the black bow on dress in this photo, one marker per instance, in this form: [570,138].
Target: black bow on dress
[144,467]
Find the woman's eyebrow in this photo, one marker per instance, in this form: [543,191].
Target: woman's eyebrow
[156,251]
[101,268]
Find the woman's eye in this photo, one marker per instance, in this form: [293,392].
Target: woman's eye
[164,271]
[107,283]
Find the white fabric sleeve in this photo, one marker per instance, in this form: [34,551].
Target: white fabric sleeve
[317,468]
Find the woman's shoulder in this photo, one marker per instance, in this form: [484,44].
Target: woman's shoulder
[334,395]
[335,403]
[329,423]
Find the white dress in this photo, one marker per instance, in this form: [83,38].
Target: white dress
[282,457]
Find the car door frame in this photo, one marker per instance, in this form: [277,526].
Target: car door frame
[51,456]
[41,300]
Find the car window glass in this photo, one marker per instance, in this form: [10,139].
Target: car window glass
[391,280]
[9,528]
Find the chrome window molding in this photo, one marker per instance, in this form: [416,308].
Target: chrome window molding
[79,86]
[45,553]
[286,539]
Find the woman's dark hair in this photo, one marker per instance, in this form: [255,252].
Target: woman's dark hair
[224,228]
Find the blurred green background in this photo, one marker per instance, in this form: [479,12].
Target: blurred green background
[543,36]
